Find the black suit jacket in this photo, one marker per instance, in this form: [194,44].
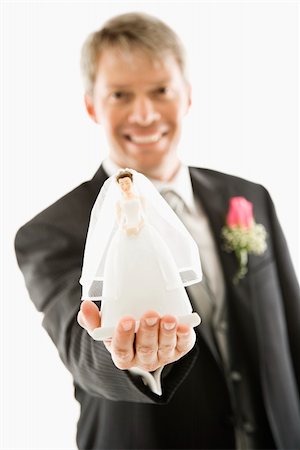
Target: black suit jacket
[201,403]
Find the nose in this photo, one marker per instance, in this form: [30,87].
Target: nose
[143,112]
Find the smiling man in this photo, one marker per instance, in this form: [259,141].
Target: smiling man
[234,382]
[140,101]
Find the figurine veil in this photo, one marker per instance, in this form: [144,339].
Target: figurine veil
[147,270]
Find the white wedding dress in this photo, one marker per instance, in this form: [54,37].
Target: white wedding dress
[140,273]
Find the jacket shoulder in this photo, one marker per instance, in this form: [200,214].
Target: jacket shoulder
[70,214]
[232,183]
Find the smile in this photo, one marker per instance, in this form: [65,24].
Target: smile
[149,139]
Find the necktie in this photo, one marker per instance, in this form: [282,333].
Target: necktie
[210,307]
[200,292]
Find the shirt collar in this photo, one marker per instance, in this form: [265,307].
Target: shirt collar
[181,183]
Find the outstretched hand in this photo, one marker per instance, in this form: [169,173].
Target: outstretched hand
[157,342]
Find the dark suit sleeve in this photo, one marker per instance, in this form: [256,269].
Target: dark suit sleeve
[289,286]
[50,258]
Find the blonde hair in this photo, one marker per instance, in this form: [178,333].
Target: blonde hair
[127,32]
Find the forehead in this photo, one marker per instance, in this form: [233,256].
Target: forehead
[117,67]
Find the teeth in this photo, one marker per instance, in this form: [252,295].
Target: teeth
[145,139]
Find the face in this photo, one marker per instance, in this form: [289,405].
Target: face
[125,184]
[140,102]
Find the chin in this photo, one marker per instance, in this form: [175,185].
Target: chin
[149,164]
[144,161]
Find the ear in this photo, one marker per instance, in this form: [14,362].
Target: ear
[189,96]
[188,99]
[89,105]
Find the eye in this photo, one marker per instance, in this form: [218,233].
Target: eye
[163,90]
[163,93]
[118,95]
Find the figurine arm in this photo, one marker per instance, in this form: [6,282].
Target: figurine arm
[121,220]
[118,213]
[143,203]
[143,212]
[130,231]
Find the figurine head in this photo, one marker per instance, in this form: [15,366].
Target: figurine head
[125,178]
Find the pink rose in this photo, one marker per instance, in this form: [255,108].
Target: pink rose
[240,213]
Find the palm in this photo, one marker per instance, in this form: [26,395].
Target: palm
[157,342]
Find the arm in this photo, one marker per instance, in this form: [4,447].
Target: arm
[51,258]
[289,287]
[130,231]
[118,213]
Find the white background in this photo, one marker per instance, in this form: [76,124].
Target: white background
[243,60]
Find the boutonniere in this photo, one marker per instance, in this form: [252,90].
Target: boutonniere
[242,235]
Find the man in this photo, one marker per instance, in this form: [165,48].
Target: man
[233,383]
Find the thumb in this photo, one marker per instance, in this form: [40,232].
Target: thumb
[89,315]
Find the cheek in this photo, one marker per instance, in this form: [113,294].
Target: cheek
[108,116]
[175,112]
[113,123]
[109,122]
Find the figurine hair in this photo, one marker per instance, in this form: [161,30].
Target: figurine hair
[127,32]
[124,174]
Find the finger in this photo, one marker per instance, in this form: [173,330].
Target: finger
[80,319]
[167,339]
[186,339]
[89,315]
[107,344]
[121,348]
[146,344]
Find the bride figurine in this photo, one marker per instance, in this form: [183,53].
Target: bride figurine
[138,255]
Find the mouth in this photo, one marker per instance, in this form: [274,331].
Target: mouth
[145,139]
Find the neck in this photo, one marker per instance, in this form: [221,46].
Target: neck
[128,194]
[164,172]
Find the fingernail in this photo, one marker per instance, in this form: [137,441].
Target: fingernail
[127,325]
[183,333]
[151,321]
[169,325]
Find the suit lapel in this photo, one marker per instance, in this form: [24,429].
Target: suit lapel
[95,184]
[214,201]
[204,329]
[214,198]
